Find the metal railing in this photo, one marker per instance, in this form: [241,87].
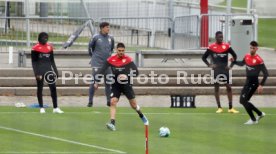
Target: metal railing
[142,31]
[22,32]
[186,32]
[157,32]
[222,22]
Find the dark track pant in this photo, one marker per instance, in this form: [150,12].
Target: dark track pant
[246,94]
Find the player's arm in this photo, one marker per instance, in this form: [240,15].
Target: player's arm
[53,63]
[134,69]
[265,74]
[92,45]
[112,44]
[204,58]
[34,56]
[234,55]
[239,63]
[100,72]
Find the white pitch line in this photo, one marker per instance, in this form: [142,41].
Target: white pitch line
[60,139]
[53,152]
[134,113]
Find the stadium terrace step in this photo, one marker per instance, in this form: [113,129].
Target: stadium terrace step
[139,82]
[83,91]
[20,82]
[172,72]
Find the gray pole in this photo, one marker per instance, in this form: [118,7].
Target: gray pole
[43,9]
[90,25]
[27,14]
[6,15]
[171,16]
[227,30]
[249,6]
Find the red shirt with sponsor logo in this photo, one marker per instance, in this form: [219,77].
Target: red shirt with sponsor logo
[254,65]
[219,55]
[43,59]
[119,66]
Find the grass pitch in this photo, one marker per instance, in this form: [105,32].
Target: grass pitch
[82,130]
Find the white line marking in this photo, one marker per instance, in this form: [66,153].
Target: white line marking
[53,152]
[60,139]
[134,113]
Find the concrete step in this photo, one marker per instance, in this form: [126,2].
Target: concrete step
[172,72]
[141,81]
[83,91]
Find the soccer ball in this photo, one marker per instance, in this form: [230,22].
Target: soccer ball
[164,132]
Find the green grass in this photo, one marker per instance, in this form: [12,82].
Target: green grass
[193,131]
[267,32]
[237,3]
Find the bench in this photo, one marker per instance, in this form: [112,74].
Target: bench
[76,54]
[23,55]
[165,55]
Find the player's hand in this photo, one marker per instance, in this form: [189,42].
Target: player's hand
[228,68]
[96,86]
[213,66]
[56,73]
[39,77]
[260,89]
[231,59]
[122,77]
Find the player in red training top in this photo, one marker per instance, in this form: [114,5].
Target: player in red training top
[218,52]
[254,65]
[123,70]
[45,69]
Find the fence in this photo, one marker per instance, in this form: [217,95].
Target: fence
[222,22]
[157,32]
[21,32]
[146,31]
[186,32]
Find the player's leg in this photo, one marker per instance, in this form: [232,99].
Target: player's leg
[53,90]
[251,93]
[91,95]
[113,104]
[128,91]
[39,84]
[217,96]
[115,96]
[244,98]
[107,91]
[108,82]
[230,99]
[137,108]
[91,90]
[229,95]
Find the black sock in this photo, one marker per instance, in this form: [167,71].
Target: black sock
[255,109]
[219,106]
[140,114]
[230,105]
[249,110]
[112,121]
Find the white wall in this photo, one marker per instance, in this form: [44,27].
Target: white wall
[265,7]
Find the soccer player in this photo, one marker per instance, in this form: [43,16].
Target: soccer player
[123,69]
[218,52]
[100,48]
[254,65]
[45,69]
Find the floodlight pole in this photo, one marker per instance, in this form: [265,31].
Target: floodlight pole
[249,6]
[90,25]
[228,12]
[204,29]
[27,15]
